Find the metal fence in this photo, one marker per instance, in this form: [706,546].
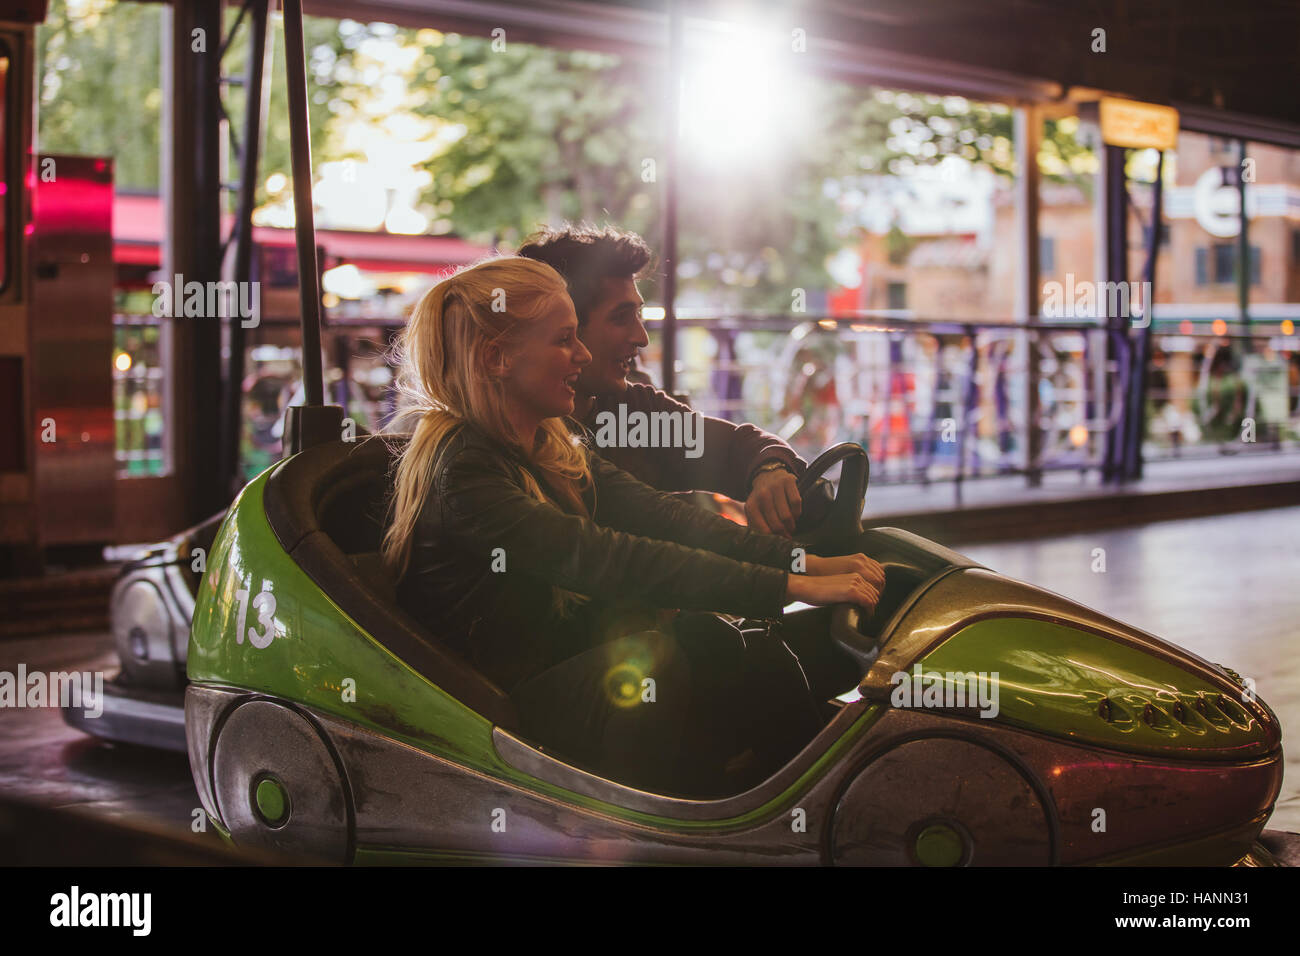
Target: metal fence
[936,400]
[930,400]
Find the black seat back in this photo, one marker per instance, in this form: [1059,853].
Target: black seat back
[326,506]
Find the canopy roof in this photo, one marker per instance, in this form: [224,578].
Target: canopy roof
[1203,56]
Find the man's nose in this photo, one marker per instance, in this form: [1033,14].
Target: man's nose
[642,339]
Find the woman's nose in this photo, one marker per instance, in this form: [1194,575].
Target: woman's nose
[583,355]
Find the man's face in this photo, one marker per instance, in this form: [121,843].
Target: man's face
[613,333]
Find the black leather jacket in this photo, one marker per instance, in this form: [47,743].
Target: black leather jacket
[641,546]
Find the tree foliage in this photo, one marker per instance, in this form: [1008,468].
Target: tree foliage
[544,135]
[97,86]
[99,75]
[529,135]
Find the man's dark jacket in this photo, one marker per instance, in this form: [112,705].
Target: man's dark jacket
[731,453]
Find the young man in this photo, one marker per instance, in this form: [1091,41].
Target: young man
[744,462]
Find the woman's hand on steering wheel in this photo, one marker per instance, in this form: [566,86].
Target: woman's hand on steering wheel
[872,570]
[851,588]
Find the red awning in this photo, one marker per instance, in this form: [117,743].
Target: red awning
[138,232]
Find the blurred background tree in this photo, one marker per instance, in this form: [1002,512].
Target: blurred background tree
[97,85]
[516,136]
[98,69]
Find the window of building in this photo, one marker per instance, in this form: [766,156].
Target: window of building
[897,295]
[1218,264]
[1046,255]
[1224,261]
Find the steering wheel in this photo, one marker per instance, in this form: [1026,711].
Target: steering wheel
[828,518]
[840,520]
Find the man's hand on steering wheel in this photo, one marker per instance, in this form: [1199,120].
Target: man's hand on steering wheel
[774,502]
[872,571]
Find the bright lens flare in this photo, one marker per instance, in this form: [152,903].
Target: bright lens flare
[344,281]
[623,685]
[738,95]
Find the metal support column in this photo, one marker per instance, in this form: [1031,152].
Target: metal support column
[1244,265]
[671,176]
[192,244]
[304,219]
[1029,136]
[1140,337]
[313,422]
[257,95]
[1117,345]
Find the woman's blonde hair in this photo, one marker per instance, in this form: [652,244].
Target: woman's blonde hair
[443,382]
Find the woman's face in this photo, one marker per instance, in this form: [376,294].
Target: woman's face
[542,366]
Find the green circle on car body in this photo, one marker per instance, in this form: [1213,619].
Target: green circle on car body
[939,845]
[272,801]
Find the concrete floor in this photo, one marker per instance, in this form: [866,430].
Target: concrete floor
[44,761]
[1181,474]
[1226,587]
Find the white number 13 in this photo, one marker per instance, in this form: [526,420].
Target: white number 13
[264,605]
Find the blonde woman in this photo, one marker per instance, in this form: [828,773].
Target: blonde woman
[512,541]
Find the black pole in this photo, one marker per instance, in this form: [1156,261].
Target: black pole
[304,220]
[257,98]
[1244,265]
[670,195]
[1136,420]
[1116,271]
[192,187]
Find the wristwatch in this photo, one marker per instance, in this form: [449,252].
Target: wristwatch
[768,466]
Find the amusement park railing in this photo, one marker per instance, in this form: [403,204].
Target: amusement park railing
[931,400]
[944,400]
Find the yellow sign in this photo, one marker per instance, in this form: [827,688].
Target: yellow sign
[1138,125]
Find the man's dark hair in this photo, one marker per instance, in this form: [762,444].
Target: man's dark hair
[586,254]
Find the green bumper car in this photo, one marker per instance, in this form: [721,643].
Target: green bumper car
[970,720]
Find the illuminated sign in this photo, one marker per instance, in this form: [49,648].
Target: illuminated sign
[1138,125]
[1217,203]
